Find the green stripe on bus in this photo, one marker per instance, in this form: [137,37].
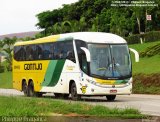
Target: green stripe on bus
[53,73]
[121,82]
[49,73]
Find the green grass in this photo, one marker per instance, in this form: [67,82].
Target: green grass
[6,80]
[23,106]
[147,65]
[142,47]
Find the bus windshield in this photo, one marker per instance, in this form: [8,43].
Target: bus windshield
[110,61]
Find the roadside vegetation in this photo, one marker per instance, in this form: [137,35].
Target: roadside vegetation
[146,83]
[146,73]
[6,80]
[146,65]
[24,106]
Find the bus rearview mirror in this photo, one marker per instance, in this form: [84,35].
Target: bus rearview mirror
[88,55]
[136,54]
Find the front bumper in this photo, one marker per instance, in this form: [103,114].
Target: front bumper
[91,89]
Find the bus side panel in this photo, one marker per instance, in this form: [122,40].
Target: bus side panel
[29,71]
[66,72]
[17,76]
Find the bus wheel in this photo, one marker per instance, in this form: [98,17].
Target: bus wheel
[111,97]
[74,95]
[25,88]
[31,92]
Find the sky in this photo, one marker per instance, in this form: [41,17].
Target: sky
[20,15]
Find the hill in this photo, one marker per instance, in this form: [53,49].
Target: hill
[20,35]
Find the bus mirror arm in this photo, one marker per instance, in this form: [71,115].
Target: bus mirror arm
[136,54]
[88,55]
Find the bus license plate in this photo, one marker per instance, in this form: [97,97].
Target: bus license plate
[113,91]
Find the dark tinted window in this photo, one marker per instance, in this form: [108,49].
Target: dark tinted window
[52,53]
[69,51]
[23,50]
[81,56]
[29,52]
[60,50]
[47,51]
[39,51]
[17,53]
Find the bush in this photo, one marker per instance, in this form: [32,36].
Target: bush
[151,51]
[146,37]
[2,69]
[134,39]
[9,68]
[152,36]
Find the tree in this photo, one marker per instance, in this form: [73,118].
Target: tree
[1,47]
[66,26]
[82,24]
[95,25]
[99,15]
[75,26]
[7,49]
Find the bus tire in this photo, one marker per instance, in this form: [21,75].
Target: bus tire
[31,92]
[74,95]
[111,97]
[24,88]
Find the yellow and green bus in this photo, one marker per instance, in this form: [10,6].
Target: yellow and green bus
[76,64]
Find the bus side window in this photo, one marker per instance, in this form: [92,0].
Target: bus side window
[17,53]
[60,50]
[70,51]
[55,50]
[46,51]
[81,56]
[84,63]
[29,52]
[23,52]
[39,52]
[34,54]
[52,47]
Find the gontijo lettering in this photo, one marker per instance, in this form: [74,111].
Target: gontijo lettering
[33,66]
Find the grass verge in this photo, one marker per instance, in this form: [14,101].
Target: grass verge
[23,106]
[146,83]
[6,80]
[146,65]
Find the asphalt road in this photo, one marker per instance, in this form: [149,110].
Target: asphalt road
[147,104]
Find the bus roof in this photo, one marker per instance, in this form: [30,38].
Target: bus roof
[90,37]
